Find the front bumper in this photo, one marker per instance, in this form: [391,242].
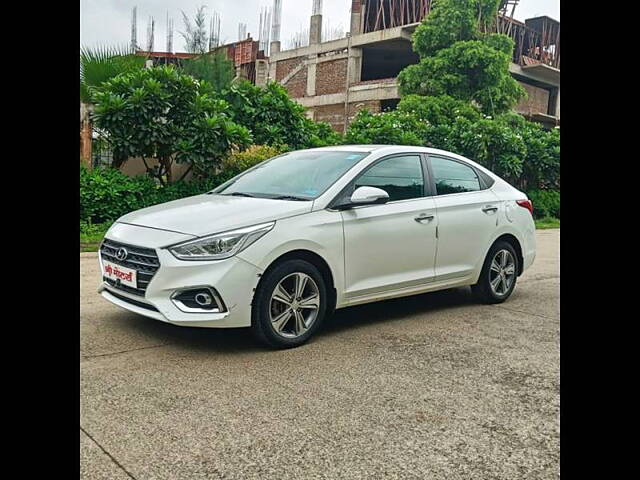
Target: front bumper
[233,278]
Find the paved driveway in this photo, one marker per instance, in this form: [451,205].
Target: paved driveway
[427,387]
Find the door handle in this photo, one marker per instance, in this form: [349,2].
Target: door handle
[423,218]
[490,208]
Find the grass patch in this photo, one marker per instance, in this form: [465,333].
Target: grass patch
[91,234]
[547,222]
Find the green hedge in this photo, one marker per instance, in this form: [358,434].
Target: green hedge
[106,194]
[546,203]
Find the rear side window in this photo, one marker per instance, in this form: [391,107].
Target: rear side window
[453,177]
[400,177]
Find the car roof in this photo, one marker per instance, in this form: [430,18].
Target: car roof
[381,148]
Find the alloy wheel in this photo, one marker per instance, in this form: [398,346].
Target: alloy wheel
[502,272]
[294,305]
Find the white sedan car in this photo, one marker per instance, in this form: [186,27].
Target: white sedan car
[282,245]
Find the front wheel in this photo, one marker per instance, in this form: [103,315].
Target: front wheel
[499,274]
[289,304]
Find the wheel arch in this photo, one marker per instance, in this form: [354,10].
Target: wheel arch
[512,240]
[317,261]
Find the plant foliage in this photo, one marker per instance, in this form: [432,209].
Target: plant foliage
[106,194]
[98,65]
[215,69]
[274,118]
[160,113]
[459,58]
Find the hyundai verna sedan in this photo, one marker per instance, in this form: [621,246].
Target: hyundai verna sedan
[279,247]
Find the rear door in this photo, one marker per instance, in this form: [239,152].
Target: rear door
[467,216]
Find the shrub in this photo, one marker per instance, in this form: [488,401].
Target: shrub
[107,194]
[522,152]
[546,203]
[240,161]
[392,128]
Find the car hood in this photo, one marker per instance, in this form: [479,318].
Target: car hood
[210,213]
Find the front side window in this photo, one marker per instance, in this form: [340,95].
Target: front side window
[453,177]
[400,177]
[303,175]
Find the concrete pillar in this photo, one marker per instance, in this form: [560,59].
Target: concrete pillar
[275,47]
[272,69]
[262,72]
[315,30]
[356,17]
[355,65]
[558,104]
[311,75]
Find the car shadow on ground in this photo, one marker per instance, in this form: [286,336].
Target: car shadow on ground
[350,318]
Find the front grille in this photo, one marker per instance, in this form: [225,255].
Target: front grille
[143,260]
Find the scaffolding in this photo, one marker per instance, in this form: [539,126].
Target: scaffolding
[242,31]
[264,30]
[150,28]
[275,26]
[214,31]
[134,33]
[383,14]
[317,7]
[169,34]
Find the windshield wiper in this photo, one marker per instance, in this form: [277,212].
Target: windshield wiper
[239,194]
[290,197]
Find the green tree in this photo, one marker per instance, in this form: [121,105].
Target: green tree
[215,69]
[392,128]
[460,59]
[160,113]
[98,65]
[274,118]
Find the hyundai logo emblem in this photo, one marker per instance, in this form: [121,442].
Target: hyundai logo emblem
[122,253]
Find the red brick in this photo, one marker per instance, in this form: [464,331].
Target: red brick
[537,101]
[331,77]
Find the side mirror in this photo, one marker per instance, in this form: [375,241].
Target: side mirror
[367,196]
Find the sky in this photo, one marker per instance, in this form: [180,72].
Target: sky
[108,22]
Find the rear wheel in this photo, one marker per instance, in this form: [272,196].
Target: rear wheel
[289,305]
[499,274]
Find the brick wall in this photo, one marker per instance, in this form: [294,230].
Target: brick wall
[331,77]
[537,101]
[284,67]
[297,85]
[334,114]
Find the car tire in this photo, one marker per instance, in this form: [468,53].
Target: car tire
[499,274]
[278,293]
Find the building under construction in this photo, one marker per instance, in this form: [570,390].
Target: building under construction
[338,78]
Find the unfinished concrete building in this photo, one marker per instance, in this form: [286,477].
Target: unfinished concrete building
[338,78]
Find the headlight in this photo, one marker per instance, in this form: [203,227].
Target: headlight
[220,245]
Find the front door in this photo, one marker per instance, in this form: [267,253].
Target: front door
[391,246]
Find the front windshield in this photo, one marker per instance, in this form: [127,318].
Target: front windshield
[303,175]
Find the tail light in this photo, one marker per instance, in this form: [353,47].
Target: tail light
[526,204]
